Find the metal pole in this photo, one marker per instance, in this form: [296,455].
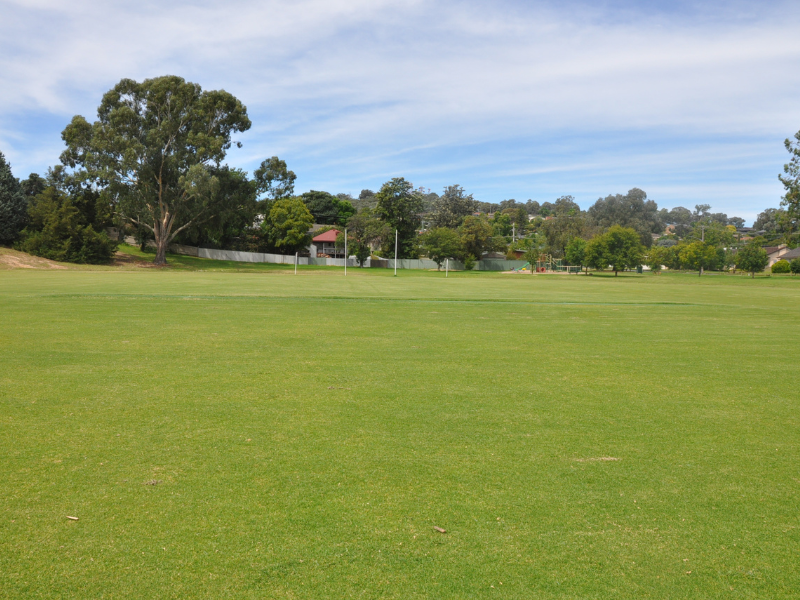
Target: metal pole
[703,240]
[295,262]
[345,252]
[395,252]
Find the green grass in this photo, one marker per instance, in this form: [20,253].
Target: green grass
[308,432]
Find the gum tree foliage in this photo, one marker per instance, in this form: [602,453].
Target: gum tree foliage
[769,221]
[226,228]
[633,210]
[152,150]
[752,258]
[274,180]
[619,247]
[791,177]
[559,230]
[737,222]
[565,205]
[287,225]
[364,231]
[13,204]
[399,205]
[327,208]
[476,236]
[450,209]
[713,233]
[519,217]
[440,244]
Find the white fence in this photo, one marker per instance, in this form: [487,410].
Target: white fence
[276,259]
[283,259]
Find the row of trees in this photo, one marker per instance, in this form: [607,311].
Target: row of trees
[151,165]
[620,249]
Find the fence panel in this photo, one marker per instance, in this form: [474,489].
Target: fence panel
[499,265]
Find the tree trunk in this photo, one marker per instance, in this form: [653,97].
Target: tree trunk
[161,251]
[615,273]
[161,231]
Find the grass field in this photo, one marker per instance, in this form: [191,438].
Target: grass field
[264,435]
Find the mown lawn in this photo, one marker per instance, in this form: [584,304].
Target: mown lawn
[265,435]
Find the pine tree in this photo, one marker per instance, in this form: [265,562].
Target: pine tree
[13,204]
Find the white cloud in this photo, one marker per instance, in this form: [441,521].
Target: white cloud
[364,82]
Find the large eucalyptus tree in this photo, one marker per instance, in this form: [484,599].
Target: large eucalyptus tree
[154,149]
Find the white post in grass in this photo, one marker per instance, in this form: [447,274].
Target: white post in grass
[395,252]
[446,267]
[295,262]
[345,252]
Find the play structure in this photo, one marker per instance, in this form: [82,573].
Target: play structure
[547,264]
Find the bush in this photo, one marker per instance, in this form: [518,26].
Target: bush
[83,245]
[469,262]
[59,231]
[795,266]
[782,266]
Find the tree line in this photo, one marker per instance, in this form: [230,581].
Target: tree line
[151,166]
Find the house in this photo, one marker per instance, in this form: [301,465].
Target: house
[791,255]
[776,253]
[325,243]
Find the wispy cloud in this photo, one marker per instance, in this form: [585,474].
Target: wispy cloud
[509,99]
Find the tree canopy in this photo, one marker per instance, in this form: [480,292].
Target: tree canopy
[752,258]
[399,205]
[440,244]
[633,210]
[273,179]
[791,177]
[619,248]
[327,208]
[287,225]
[450,209]
[13,204]
[365,231]
[476,236]
[151,150]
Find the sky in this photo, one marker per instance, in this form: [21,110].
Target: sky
[689,101]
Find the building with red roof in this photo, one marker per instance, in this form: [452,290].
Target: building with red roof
[325,243]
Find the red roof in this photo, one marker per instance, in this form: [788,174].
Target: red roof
[328,236]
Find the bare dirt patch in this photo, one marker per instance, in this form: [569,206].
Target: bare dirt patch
[11,259]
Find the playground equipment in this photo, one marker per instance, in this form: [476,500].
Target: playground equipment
[547,264]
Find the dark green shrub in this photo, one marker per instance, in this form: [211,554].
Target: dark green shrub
[469,262]
[13,204]
[794,266]
[58,231]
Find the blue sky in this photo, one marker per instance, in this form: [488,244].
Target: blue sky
[689,101]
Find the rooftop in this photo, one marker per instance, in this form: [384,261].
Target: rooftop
[328,236]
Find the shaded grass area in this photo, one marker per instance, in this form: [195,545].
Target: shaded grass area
[243,435]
